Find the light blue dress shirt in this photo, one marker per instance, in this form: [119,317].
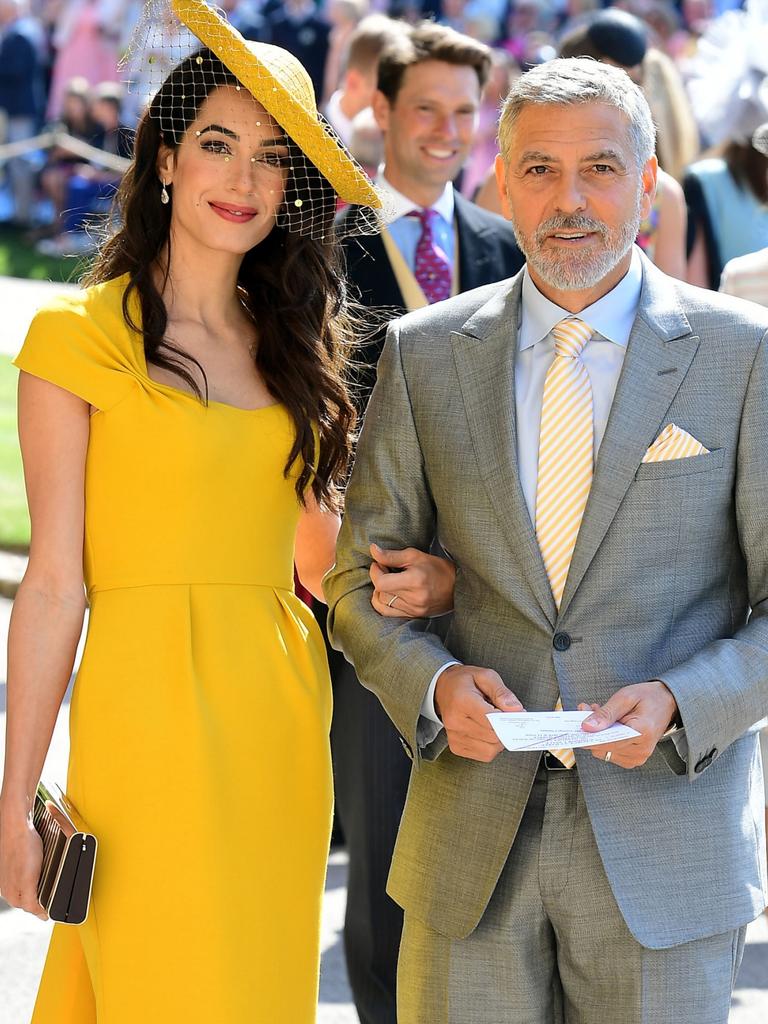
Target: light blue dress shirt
[611,319]
[406,231]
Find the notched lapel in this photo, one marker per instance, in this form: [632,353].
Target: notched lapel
[484,355]
[472,248]
[659,354]
[368,268]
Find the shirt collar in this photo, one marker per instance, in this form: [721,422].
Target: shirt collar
[402,205]
[299,14]
[611,316]
[338,118]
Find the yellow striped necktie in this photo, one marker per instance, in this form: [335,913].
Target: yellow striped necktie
[566,445]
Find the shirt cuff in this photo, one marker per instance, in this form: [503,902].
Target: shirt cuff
[428,704]
[680,742]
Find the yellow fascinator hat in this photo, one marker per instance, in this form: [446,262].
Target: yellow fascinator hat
[279,82]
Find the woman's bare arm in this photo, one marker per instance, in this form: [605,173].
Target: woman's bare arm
[669,254]
[697,272]
[315,546]
[423,583]
[47,616]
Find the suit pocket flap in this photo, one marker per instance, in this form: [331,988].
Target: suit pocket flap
[681,467]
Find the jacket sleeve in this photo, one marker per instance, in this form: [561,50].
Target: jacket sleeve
[389,502]
[723,690]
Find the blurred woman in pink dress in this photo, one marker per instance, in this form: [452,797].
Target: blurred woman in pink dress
[86,41]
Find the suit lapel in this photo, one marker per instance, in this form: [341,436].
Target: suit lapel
[484,355]
[474,251]
[369,268]
[659,353]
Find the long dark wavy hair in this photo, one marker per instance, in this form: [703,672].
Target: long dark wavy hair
[290,284]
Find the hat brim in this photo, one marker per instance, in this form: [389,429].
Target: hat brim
[256,66]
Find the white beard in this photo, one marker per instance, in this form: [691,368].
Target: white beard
[575,270]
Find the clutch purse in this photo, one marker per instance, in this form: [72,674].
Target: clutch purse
[69,857]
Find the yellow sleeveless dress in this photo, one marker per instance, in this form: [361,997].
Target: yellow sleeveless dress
[200,716]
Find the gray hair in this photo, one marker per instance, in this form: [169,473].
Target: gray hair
[568,81]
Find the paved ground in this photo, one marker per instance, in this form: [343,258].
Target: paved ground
[18,301]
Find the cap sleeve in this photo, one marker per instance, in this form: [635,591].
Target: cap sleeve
[80,344]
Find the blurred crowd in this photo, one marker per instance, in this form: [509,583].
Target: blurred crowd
[66,117]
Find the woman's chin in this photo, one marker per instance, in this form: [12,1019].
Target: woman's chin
[237,242]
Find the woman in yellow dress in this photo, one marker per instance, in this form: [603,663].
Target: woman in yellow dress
[185,429]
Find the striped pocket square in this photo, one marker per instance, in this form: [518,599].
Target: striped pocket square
[674,443]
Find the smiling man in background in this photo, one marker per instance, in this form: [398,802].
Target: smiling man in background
[437,244]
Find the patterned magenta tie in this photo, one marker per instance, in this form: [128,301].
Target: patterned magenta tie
[433,268]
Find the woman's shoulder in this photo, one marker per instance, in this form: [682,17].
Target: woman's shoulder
[665,182]
[710,167]
[91,317]
[80,340]
[669,192]
[94,301]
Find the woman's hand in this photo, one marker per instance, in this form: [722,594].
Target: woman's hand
[421,588]
[21,858]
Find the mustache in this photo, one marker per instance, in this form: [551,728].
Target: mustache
[572,222]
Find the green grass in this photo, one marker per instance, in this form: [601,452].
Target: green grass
[18,258]
[14,519]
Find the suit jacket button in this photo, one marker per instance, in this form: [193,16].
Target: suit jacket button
[561,641]
[406,747]
[706,761]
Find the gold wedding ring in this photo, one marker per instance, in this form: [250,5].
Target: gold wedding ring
[392,600]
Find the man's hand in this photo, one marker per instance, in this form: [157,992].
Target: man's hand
[647,707]
[422,588]
[464,695]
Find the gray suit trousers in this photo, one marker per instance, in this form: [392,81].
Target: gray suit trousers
[553,948]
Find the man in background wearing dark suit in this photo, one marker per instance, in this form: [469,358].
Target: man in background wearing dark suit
[21,99]
[298,26]
[430,82]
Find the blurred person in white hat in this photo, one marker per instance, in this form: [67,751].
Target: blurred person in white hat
[727,191]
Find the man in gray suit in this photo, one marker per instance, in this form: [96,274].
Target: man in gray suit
[588,441]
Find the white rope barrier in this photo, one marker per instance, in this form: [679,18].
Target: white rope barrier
[47,140]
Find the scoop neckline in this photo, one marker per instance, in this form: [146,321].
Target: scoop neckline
[211,401]
[144,370]
[144,366]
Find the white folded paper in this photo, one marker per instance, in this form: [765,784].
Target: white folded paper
[552,730]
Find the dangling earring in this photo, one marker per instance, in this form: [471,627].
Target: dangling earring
[164,197]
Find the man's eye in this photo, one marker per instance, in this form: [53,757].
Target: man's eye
[216,146]
[603,168]
[538,171]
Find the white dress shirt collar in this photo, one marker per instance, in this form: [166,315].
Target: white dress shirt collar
[338,118]
[611,316]
[402,205]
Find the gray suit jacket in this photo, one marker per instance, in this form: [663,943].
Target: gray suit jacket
[668,562]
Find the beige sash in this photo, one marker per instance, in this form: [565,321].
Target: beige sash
[412,292]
